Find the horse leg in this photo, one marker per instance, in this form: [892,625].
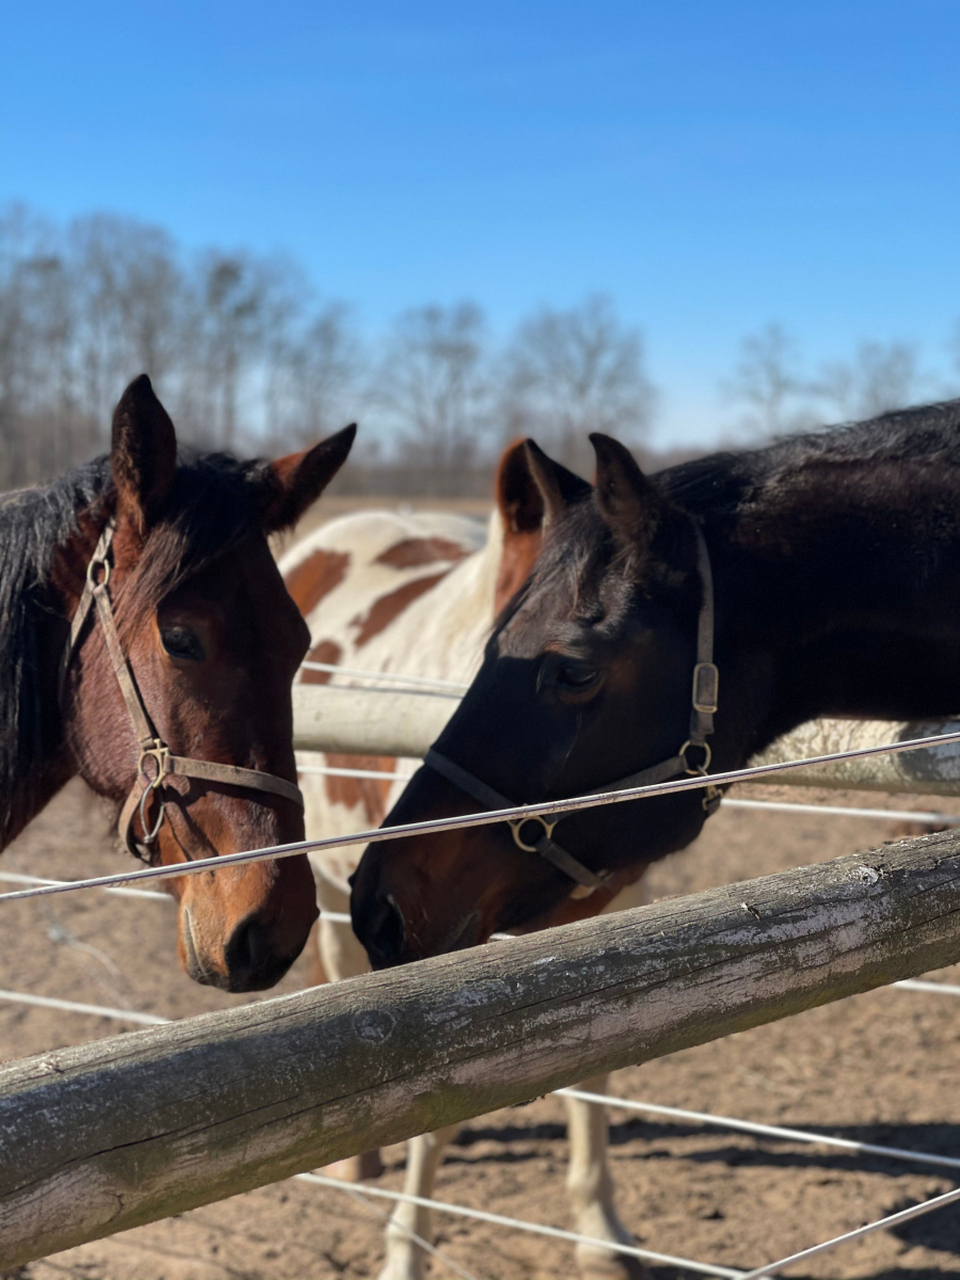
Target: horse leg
[405,1259]
[341,956]
[591,1190]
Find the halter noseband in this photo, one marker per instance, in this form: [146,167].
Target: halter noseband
[703,699]
[155,762]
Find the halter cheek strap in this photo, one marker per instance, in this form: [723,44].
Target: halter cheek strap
[703,699]
[155,762]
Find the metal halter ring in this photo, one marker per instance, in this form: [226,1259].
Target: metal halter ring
[148,837]
[158,753]
[92,569]
[701,768]
[515,825]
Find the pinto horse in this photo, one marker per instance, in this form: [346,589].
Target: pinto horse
[148,644]
[418,594]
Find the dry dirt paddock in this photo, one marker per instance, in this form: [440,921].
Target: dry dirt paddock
[882,1067]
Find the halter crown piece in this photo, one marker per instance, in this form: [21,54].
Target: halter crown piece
[155,762]
[703,699]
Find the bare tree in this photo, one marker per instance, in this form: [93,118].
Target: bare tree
[433,386]
[880,378]
[567,373]
[768,381]
[313,376]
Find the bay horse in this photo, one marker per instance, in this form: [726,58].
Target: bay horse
[147,643]
[417,594]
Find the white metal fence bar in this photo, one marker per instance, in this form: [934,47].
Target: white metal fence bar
[490,818]
[775,806]
[391,677]
[15,877]
[938,988]
[381,775]
[73,1006]
[847,811]
[557,1233]
[892,1220]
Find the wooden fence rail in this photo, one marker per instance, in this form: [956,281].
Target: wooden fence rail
[406,724]
[126,1130]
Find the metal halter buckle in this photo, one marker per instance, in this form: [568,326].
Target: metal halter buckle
[159,753]
[706,686]
[515,824]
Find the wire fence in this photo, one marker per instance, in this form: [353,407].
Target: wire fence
[120,885]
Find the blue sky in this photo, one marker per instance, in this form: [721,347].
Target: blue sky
[713,166]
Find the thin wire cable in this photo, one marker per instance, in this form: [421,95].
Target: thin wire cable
[591,800]
[356,1194]
[392,677]
[762,1130]
[498,1220]
[892,1220]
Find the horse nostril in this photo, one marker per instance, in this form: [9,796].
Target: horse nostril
[253,962]
[385,936]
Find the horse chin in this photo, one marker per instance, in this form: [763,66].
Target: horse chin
[465,933]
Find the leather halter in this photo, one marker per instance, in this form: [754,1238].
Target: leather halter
[155,762]
[706,681]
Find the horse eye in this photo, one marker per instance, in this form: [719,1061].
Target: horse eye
[181,642]
[575,675]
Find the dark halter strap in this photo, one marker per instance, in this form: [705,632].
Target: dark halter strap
[703,699]
[155,762]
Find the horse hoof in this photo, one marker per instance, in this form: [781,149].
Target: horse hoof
[603,1264]
[356,1168]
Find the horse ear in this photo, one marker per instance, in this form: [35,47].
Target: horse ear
[628,502]
[559,488]
[518,495]
[143,454]
[299,479]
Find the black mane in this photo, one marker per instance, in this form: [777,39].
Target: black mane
[723,482]
[214,501]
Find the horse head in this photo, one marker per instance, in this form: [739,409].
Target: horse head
[210,641]
[586,678]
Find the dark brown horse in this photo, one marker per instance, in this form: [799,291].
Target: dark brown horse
[836,579]
[181,665]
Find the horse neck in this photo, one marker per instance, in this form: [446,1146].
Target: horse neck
[843,599]
[33,724]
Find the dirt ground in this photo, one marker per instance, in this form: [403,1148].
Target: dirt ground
[881,1067]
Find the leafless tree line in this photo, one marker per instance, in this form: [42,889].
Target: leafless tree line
[777,392]
[246,355]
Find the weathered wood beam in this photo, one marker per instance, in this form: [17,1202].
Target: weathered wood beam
[406,724]
[103,1137]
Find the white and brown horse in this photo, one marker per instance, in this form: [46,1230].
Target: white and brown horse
[417,595]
